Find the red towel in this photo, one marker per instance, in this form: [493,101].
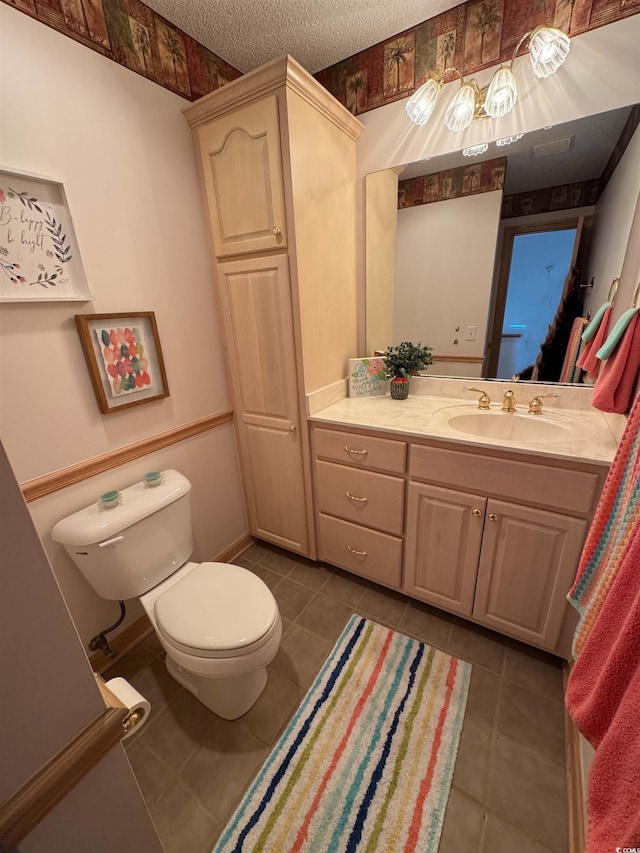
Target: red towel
[613,390]
[603,698]
[587,360]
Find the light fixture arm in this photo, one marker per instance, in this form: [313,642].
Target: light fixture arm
[519,45]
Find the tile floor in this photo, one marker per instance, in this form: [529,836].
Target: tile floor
[509,784]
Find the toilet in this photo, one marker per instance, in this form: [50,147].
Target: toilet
[218,623]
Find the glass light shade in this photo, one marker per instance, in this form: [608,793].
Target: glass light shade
[548,49]
[474,150]
[502,93]
[507,140]
[461,109]
[421,104]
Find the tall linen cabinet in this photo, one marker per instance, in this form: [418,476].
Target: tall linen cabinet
[277,155]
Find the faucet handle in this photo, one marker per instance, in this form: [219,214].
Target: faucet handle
[484,400]
[535,406]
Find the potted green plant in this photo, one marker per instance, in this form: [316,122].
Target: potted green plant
[404,361]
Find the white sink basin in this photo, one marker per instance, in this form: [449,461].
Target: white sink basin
[510,426]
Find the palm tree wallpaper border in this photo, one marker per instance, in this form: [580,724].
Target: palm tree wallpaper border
[133,35]
[471,36]
[470,179]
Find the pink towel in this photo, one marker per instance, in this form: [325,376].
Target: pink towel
[603,698]
[587,360]
[613,390]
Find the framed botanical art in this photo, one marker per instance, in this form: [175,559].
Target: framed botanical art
[124,358]
[39,256]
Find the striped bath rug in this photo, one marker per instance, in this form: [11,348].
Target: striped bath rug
[367,760]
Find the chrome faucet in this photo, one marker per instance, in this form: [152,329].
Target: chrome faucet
[509,401]
[484,401]
[535,406]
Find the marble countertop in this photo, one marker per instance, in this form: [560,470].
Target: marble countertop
[580,434]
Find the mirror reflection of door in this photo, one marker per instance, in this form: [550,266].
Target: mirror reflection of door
[534,267]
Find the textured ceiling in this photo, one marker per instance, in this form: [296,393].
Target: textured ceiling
[318,33]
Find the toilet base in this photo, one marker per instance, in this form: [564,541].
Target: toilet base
[229,698]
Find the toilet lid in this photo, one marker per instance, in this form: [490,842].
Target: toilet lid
[216,607]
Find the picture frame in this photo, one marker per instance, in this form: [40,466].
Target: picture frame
[40,259]
[124,358]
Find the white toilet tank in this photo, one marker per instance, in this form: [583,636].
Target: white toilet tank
[125,551]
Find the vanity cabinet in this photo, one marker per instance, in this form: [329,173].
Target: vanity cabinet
[276,154]
[492,536]
[360,503]
[506,566]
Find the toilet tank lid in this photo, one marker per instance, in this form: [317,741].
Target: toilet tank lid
[94,524]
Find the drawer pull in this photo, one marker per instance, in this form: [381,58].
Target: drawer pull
[354,498]
[493,516]
[358,553]
[476,513]
[357,452]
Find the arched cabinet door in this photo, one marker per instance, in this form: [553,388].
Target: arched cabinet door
[242,170]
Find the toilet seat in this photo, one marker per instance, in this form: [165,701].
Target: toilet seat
[217,610]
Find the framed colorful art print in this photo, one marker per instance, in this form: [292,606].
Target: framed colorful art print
[39,256]
[124,358]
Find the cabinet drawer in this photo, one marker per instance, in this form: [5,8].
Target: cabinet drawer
[382,558]
[361,450]
[555,488]
[375,500]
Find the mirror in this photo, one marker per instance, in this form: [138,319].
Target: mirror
[445,239]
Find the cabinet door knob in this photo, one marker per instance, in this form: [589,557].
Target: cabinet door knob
[292,428]
[476,513]
[276,231]
[354,551]
[354,498]
[493,516]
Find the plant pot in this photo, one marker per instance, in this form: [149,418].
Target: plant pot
[399,389]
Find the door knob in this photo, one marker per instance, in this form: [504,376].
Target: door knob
[493,516]
[292,428]
[276,231]
[476,513]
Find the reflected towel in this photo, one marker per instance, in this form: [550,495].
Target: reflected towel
[574,347]
[587,359]
[596,322]
[613,390]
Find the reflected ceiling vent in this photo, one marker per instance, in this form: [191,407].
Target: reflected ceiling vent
[550,149]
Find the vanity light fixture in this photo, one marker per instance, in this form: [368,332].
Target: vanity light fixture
[474,150]
[507,140]
[548,49]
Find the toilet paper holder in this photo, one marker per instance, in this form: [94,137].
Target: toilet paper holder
[133,719]
[118,693]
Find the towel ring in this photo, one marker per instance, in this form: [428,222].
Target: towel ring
[613,290]
[636,294]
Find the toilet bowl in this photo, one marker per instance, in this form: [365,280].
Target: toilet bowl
[220,627]
[218,623]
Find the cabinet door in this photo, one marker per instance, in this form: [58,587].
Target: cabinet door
[242,171]
[256,307]
[528,562]
[444,532]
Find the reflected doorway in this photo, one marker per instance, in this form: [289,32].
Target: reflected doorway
[534,267]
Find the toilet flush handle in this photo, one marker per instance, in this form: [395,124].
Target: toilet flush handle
[113,541]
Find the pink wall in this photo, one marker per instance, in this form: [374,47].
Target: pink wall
[125,153]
